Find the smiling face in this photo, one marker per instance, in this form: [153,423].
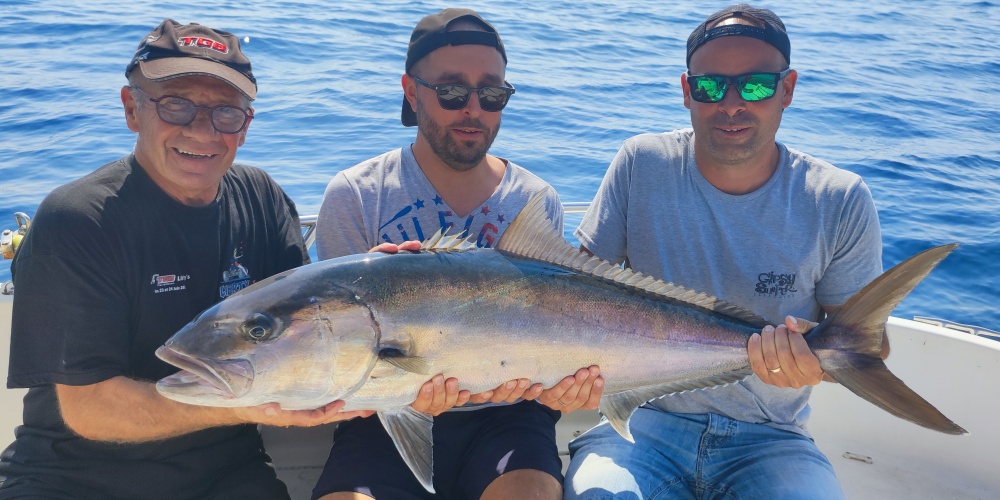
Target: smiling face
[459,138]
[734,133]
[188,161]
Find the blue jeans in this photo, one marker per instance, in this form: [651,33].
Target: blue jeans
[697,456]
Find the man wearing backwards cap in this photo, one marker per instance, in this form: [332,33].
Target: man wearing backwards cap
[724,209]
[119,260]
[454,91]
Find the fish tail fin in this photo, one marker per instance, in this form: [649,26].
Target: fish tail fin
[849,343]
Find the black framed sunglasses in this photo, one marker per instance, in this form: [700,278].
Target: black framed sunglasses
[454,96]
[180,111]
[753,87]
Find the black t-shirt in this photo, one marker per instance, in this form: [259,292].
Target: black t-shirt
[111,268]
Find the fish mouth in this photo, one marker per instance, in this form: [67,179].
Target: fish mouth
[200,378]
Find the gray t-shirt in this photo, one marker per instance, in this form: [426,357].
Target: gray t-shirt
[389,199]
[807,238]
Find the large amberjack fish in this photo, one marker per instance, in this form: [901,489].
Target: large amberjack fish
[371,329]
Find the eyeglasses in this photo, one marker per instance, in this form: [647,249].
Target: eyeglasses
[753,87]
[453,96]
[180,111]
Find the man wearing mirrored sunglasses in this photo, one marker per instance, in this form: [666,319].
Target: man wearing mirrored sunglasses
[454,91]
[724,209]
[119,260]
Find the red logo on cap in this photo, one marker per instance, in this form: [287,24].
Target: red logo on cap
[207,43]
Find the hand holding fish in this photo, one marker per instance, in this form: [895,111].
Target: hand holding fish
[509,392]
[780,356]
[582,390]
[438,395]
[272,414]
[410,246]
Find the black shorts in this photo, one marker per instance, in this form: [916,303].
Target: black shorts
[254,479]
[471,449]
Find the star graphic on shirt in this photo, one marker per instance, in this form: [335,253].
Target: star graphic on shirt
[419,203]
[485,210]
[438,200]
[500,218]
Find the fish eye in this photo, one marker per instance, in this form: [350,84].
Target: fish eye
[259,327]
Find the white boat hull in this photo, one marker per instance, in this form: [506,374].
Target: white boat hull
[875,455]
[957,373]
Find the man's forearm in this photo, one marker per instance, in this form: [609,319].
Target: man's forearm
[125,410]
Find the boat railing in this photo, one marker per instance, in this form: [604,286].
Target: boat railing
[309,221]
[970,329]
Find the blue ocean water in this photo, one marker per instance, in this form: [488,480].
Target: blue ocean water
[904,94]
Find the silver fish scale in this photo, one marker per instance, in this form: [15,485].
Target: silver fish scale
[485,318]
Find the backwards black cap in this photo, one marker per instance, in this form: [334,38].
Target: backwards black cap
[432,33]
[172,50]
[772,32]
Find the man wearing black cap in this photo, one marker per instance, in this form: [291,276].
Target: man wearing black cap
[454,90]
[724,209]
[119,260]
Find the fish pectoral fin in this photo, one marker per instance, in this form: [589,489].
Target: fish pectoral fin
[412,364]
[411,432]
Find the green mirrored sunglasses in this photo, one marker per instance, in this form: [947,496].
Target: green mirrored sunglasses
[753,87]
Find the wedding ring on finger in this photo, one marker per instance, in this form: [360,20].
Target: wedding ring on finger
[561,403]
[774,370]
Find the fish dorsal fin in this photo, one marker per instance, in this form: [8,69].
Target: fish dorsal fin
[532,235]
[412,433]
[441,241]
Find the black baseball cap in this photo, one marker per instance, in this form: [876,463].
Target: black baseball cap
[772,32]
[432,33]
[172,50]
